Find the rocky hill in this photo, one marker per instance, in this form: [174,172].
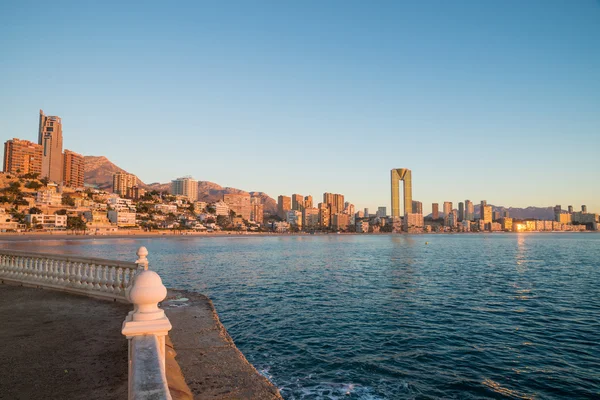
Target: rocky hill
[99,172]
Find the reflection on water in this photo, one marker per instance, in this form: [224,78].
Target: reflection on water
[391,317]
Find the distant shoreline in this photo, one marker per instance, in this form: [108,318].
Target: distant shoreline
[38,236]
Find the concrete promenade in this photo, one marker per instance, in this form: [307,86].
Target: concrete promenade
[62,346]
[53,349]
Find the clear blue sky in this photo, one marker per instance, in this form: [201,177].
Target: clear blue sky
[496,100]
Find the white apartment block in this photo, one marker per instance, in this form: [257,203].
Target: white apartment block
[166,208]
[120,204]
[121,218]
[48,221]
[49,198]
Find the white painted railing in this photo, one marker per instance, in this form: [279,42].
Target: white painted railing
[90,276]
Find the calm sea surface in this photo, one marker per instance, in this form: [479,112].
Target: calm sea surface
[393,317]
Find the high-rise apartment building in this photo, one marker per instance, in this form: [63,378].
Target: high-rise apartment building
[381,212]
[417,207]
[495,215]
[185,186]
[22,156]
[122,181]
[366,213]
[257,210]
[50,137]
[297,202]
[404,175]
[435,211]
[335,202]
[239,203]
[570,209]
[324,215]
[461,211]
[73,169]
[284,204]
[447,208]
[481,207]
[487,214]
[308,202]
[469,210]
[447,211]
[584,208]
[310,218]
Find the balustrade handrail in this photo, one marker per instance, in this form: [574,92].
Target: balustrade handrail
[95,277]
[68,257]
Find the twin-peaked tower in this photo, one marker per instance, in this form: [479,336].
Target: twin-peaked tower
[404,175]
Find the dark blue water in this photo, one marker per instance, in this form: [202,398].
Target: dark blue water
[391,317]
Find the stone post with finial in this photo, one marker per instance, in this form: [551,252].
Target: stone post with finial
[147,318]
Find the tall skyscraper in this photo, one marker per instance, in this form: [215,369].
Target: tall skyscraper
[381,212]
[123,181]
[366,212]
[417,207]
[435,211]
[297,202]
[308,202]
[447,211]
[570,209]
[487,214]
[257,210]
[447,208]
[50,137]
[284,204]
[469,210]
[481,206]
[461,211]
[73,169]
[404,175]
[22,157]
[185,186]
[584,208]
[557,212]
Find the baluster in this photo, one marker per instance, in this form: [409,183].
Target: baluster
[119,281]
[24,267]
[109,283]
[53,271]
[35,271]
[68,272]
[40,271]
[13,267]
[2,270]
[95,272]
[78,275]
[88,276]
[60,272]
[104,281]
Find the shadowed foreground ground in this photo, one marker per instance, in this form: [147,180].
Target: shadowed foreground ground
[57,345]
[61,346]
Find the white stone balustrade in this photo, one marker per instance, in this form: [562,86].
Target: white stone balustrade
[94,277]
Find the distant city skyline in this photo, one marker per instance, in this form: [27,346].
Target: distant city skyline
[481,102]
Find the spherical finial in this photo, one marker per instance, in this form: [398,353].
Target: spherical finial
[146,293]
[142,260]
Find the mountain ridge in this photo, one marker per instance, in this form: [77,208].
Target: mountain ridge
[99,171]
